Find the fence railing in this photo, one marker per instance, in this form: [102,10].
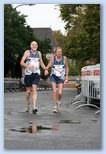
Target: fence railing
[90,81]
[11,85]
[90,89]
[90,86]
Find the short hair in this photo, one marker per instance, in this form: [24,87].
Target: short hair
[33,42]
[58,48]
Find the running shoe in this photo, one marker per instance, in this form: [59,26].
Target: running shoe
[55,110]
[27,110]
[34,111]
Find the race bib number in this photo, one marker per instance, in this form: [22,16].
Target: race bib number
[58,70]
[35,65]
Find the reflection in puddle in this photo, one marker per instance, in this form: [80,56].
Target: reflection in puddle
[70,121]
[33,128]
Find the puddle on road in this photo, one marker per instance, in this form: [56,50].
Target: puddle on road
[33,129]
[94,120]
[70,121]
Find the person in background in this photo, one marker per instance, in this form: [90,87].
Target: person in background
[59,75]
[31,62]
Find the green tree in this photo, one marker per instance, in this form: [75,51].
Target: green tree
[68,14]
[45,45]
[82,42]
[92,27]
[17,36]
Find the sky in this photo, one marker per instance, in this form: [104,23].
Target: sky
[42,15]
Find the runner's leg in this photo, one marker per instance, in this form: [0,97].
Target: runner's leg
[34,97]
[60,92]
[28,94]
[54,96]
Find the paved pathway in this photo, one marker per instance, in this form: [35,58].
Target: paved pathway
[71,129]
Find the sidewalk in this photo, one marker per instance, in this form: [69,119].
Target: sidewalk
[69,130]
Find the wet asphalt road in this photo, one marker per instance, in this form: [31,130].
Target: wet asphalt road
[69,130]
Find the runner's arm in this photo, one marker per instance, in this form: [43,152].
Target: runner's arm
[50,63]
[22,62]
[41,62]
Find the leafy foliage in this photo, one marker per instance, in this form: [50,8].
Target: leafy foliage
[82,42]
[17,36]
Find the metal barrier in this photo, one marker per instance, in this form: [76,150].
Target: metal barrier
[15,85]
[90,85]
[11,85]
